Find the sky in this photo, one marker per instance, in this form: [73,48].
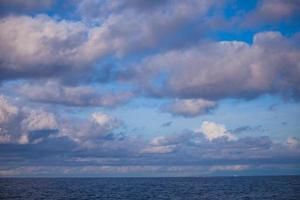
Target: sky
[108,88]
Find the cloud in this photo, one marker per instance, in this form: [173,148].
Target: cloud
[56,93]
[292,142]
[167,144]
[158,149]
[80,144]
[25,125]
[248,129]
[76,53]
[229,168]
[103,119]
[213,131]
[17,122]
[72,51]
[225,69]
[20,6]
[4,138]
[166,124]
[23,139]
[93,10]
[272,11]
[37,47]
[45,47]
[89,132]
[7,110]
[130,30]
[189,107]
[39,120]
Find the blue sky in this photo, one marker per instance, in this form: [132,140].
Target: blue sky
[149,88]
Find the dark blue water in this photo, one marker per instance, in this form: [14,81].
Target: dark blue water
[224,188]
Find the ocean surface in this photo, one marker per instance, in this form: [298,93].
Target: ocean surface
[225,188]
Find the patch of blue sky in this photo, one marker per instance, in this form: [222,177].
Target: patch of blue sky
[237,7]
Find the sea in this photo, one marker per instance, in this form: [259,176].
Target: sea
[223,188]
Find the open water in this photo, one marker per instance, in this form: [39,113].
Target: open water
[223,188]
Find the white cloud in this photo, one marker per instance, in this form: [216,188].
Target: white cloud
[213,131]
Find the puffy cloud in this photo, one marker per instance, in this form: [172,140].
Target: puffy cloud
[87,132]
[40,46]
[130,30]
[28,125]
[213,131]
[17,122]
[189,107]
[56,93]
[212,71]
[39,120]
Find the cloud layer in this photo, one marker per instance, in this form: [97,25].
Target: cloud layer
[85,87]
